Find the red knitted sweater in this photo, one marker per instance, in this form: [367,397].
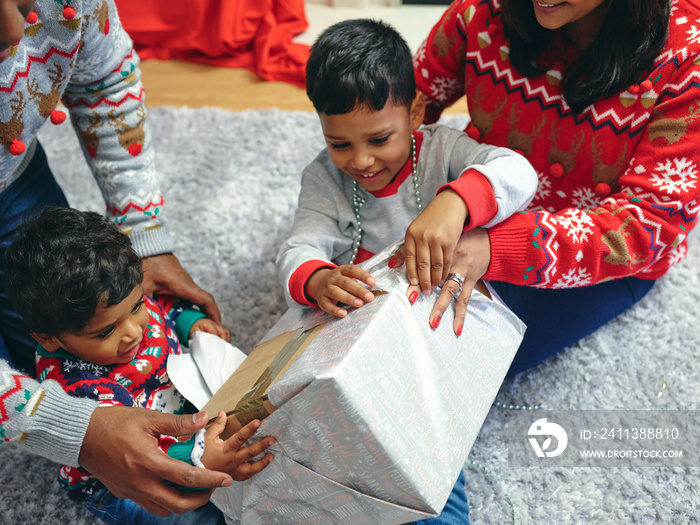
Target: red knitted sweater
[618,184]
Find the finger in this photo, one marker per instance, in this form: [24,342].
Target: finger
[331,307]
[247,470]
[449,291]
[461,307]
[397,258]
[219,424]
[172,425]
[236,441]
[206,301]
[258,448]
[447,263]
[424,269]
[353,271]
[412,293]
[409,259]
[436,266]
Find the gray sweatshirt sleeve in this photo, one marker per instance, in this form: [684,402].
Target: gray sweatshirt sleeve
[512,177]
[324,223]
[41,417]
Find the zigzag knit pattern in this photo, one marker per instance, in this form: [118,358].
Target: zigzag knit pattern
[618,184]
[88,63]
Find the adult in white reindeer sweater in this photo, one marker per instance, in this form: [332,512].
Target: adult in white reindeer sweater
[79,54]
[76,51]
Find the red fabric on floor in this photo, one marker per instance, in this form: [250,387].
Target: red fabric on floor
[254,34]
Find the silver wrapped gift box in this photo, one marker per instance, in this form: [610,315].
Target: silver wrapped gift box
[374,414]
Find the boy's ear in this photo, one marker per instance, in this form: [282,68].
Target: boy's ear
[49,342]
[417,110]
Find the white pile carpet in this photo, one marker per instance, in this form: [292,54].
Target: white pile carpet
[231,182]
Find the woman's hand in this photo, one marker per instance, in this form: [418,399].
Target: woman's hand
[431,239]
[330,287]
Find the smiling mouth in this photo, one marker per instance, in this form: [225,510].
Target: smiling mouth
[546,5]
[369,175]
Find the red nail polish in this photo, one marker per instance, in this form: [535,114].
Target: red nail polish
[392,262]
[435,322]
[459,330]
[412,298]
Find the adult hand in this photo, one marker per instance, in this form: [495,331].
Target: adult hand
[165,275]
[431,238]
[121,450]
[471,260]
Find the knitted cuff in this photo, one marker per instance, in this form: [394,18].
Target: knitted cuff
[184,323]
[58,424]
[182,450]
[152,242]
[508,251]
[477,193]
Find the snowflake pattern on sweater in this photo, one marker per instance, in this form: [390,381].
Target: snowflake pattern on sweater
[618,184]
[89,64]
[143,382]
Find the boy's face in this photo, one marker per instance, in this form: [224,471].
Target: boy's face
[112,336]
[372,146]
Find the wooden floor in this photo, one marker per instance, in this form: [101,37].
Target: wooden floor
[175,83]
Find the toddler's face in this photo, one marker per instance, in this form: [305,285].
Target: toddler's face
[370,146]
[112,336]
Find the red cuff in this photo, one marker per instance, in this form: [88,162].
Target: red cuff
[297,282]
[477,193]
[509,254]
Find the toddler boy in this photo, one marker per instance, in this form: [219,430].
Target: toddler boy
[76,281]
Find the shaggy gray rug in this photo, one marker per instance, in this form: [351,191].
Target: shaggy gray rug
[231,181]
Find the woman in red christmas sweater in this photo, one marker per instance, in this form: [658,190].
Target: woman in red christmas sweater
[603,98]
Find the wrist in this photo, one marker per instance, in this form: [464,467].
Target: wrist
[313,284]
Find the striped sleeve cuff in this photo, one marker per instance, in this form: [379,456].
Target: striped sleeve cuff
[58,424]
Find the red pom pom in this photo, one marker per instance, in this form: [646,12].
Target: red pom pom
[645,86]
[492,29]
[32,18]
[68,13]
[602,189]
[634,89]
[134,149]
[57,117]
[17,147]
[556,170]
[474,132]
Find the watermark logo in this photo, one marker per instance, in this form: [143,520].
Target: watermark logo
[541,428]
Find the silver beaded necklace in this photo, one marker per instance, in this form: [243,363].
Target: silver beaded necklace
[358,202]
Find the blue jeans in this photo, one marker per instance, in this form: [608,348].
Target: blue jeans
[456,510]
[558,318]
[115,511]
[36,187]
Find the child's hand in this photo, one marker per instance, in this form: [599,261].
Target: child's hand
[431,239]
[209,326]
[330,287]
[231,456]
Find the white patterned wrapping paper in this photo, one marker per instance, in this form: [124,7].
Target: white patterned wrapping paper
[378,414]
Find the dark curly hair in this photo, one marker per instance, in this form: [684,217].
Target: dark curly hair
[63,265]
[631,37]
[358,63]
